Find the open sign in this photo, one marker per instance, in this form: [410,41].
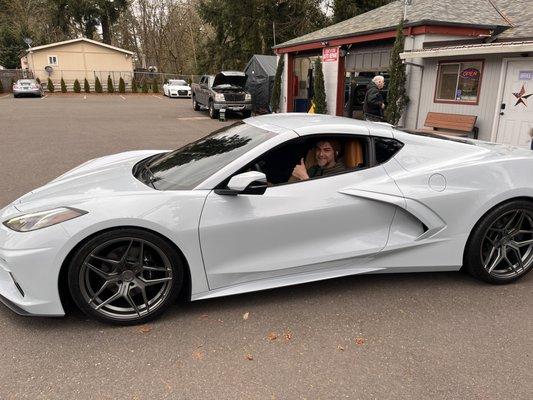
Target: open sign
[470,73]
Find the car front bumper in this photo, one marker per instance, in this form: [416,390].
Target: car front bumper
[233,106]
[29,269]
[176,94]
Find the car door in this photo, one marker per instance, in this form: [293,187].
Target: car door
[332,224]
[203,91]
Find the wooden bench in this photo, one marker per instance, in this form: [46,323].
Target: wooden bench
[451,124]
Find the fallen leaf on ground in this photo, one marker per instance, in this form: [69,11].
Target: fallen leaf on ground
[288,335]
[204,316]
[249,357]
[340,348]
[246,315]
[359,341]
[198,354]
[145,328]
[272,336]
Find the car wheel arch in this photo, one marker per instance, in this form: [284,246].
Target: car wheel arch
[485,213]
[64,293]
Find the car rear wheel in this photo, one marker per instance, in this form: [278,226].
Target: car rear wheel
[500,249]
[126,276]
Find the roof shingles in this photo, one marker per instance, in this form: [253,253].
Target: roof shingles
[478,13]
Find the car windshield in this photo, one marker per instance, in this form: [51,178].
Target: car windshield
[177,82]
[186,168]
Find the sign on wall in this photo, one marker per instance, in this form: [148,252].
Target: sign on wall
[330,54]
[525,75]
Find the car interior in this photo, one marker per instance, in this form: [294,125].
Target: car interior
[278,163]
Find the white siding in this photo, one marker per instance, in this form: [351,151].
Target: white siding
[487,96]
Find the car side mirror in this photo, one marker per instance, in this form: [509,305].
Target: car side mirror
[251,182]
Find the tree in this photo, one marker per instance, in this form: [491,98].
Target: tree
[121,85]
[50,86]
[346,9]
[110,87]
[97,85]
[319,91]
[397,98]
[86,86]
[63,86]
[1,87]
[155,86]
[236,32]
[134,88]
[77,86]
[276,90]
[145,86]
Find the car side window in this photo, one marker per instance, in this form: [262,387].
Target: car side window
[385,149]
[279,163]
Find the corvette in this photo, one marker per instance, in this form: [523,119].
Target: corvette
[124,235]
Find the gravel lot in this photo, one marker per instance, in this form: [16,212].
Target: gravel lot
[435,335]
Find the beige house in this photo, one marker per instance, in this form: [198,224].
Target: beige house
[79,59]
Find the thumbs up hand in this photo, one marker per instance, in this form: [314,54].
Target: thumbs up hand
[300,171]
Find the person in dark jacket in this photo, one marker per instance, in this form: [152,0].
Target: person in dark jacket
[374,104]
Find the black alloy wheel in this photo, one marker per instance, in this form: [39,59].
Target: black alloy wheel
[126,276]
[500,249]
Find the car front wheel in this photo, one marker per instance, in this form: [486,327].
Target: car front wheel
[125,276]
[195,105]
[213,113]
[500,249]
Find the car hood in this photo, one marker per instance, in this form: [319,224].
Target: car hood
[233,78]
[105,176]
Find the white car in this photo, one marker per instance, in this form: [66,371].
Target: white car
[177,88]
[123,235]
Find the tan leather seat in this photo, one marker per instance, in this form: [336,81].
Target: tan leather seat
[353,154]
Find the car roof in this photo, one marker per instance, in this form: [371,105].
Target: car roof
[310,124]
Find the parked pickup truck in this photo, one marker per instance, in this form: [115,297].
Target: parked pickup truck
[224,90]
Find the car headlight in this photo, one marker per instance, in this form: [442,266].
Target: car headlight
[248,97]
[219,97]
[42,219]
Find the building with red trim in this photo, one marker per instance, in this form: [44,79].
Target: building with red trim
[466,57]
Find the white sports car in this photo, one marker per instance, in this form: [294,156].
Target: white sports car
[177,88]
[123,235]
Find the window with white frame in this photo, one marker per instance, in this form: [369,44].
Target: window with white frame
[52,60]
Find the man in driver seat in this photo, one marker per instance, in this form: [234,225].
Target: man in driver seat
[326,155]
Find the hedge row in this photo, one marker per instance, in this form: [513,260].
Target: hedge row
[145,88]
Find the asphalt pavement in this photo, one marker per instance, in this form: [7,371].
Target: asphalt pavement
[404,336]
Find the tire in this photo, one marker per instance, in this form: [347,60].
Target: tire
[109,281]
[500,247]
[247,114]
[213,114]
[195,105]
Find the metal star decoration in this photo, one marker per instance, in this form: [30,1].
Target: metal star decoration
[522,96]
